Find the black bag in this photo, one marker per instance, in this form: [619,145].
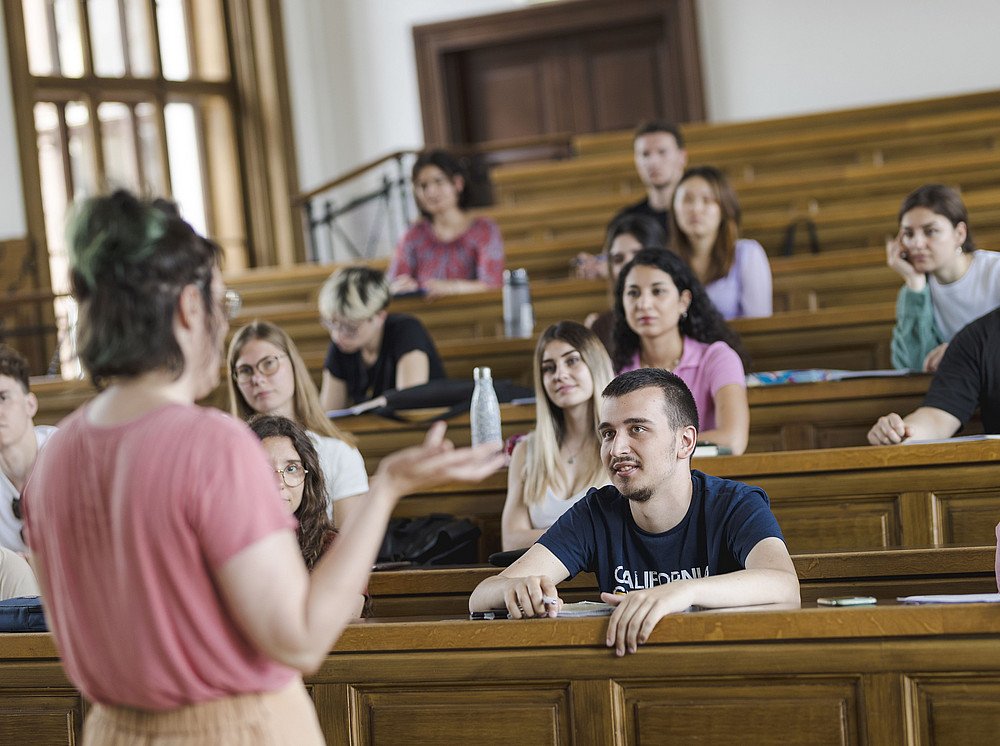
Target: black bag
[456,394]
[436,539]
[22,614]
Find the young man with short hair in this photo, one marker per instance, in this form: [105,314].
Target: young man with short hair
[661,538]
[20,441]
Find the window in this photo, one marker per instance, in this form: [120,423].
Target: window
[160,97]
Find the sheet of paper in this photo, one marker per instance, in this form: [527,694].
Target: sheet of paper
[953,598]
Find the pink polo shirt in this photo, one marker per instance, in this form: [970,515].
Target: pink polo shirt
[705,368]
[131,523]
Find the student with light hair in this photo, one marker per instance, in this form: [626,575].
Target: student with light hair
[371,350]
[555,465]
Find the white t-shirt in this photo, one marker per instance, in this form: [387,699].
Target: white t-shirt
[10,527]
[974,295]
[343,468]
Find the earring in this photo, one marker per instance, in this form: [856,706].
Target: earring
[684,315]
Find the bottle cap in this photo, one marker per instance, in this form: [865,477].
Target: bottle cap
[484,372]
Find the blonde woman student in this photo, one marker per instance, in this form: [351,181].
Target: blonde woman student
[560,460]
[268,376]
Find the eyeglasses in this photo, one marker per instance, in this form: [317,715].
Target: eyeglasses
[292,475]
[232,304]
[266,366]
[346,328]
[15,507]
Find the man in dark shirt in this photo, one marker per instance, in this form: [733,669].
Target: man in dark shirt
[661,538]
[660,158]
[968,377]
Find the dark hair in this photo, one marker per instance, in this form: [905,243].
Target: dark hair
[724,249]
[13,365]
[702,322]
[129,261]
[645,229]
[451,168]
[678,402]
[651,126]
[941,200]
[314,522]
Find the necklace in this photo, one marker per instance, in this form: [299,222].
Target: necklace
[572,459]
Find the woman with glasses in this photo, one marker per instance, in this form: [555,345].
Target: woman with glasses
[372,350]
[268,376]
[173,583]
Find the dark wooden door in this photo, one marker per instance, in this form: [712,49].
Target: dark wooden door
[584,66]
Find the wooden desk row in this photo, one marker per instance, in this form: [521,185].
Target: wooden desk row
[831,499]
[884,676]
[885,574]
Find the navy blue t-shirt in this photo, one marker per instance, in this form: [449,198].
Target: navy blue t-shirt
[725,520]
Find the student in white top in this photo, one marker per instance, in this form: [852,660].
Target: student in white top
[555,465]
[20,442]
[268,376]
[948,282]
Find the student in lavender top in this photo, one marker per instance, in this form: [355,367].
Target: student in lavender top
[554,466]
[661,537]
[947,282]
[664,319]
[705,234]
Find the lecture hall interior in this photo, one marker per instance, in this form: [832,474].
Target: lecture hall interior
[285,130]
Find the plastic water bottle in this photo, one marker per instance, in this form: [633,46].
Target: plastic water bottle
[518,315]
[485,410]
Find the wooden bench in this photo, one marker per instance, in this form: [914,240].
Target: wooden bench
[881,675]
[830,499]
[884,573]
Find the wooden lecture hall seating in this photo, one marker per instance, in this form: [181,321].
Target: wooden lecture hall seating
[880,675]
[880,521]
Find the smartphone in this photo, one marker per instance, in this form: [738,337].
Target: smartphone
[847,601]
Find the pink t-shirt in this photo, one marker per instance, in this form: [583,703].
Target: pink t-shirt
[705,368]
[132,522]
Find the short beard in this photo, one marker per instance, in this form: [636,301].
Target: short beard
[639,496]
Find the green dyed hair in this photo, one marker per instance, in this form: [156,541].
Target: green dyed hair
[129,260]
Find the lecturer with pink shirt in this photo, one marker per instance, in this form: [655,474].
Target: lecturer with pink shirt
[664,319]
[172,579]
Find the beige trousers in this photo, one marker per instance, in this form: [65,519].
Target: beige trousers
[281,718]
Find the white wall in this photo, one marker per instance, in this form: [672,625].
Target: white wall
[760,58]
[354,85]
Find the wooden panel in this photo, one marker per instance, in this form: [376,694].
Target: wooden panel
[826,525]
[528,713]
[40,719]
[506,94]
[817,712]
[968,516]
[949,712]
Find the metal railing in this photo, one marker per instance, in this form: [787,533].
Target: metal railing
[362,213]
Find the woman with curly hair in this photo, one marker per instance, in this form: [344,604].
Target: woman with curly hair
[664,319]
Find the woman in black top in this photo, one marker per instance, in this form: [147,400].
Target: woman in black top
[372,350]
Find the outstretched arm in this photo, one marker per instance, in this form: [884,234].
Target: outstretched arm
[295,617]
[769,578]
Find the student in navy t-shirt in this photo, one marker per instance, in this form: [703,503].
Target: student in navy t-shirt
[661,538]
